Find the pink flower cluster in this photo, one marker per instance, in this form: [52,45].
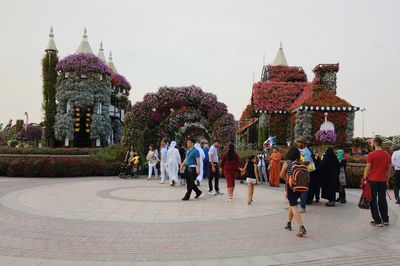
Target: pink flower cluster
[83,64]
[328,136]
[276,96]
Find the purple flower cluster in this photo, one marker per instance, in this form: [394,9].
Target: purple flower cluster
[119,80]
[32,132]
[328,136]
[83,64]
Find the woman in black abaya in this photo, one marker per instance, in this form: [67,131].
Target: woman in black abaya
[330,169]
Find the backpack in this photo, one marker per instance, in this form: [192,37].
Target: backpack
[299,178]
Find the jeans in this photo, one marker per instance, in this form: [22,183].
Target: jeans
[378,204]
[191,177]
[263,173]
[214,176]
[151,167]
[396,184]
[303,200]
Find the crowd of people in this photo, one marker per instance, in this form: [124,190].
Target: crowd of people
[325,175]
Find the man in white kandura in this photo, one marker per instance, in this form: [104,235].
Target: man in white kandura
[163,159]
[173,163]
[199,178]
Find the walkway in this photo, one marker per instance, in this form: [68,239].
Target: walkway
[111,221]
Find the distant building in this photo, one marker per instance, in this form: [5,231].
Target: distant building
[92,98]
[286,105]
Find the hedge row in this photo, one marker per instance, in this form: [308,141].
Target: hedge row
[57,167]
[49,151]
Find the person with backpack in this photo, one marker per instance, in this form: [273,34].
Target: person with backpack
[330,170]
[297,176]
[252,177]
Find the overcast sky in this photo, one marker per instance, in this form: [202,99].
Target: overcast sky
[212,44]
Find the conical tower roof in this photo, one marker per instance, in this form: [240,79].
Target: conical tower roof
[51,46]
[111,64]
[84,47]
[280,59]
[100,54]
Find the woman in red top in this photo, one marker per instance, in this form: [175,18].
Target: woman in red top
[230,165]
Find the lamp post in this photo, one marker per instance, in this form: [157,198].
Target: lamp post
[363,110]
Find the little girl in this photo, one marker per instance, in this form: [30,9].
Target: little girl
[251,176]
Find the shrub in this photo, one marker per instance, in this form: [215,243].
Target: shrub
[57,167]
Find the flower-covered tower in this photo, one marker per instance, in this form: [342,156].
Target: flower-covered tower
[120,102]
[83,96]
[284,104]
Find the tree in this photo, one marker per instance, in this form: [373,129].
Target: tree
[49,75]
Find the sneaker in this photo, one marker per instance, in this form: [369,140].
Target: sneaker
[219,193]
[161,182]
[303,210]
[185,198]
[172,183]
[198,195]
[375,224]
[149,178]
[197,183]
[212,193]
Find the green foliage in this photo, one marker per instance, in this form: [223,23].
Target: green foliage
[114,152]
[395,143]
[49,76]
[359,142]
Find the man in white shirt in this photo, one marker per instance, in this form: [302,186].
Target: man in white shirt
[214,166]
[163,160]
[396,164]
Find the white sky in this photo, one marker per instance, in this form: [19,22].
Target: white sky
[213,44]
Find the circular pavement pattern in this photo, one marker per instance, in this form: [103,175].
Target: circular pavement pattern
[78,221]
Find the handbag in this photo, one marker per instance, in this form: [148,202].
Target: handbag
[311,167]
[342,176]
[363,203]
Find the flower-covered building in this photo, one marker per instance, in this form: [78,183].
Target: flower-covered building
[92,99]
[286,105]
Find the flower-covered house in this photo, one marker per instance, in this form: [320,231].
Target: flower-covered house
[284,104]
[92,99]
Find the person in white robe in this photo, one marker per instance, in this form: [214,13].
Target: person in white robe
[173,163]
[202,156]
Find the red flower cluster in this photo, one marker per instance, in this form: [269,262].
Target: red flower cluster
[276,96]
[248,112]
[286,74]
[322,68]
[326,98]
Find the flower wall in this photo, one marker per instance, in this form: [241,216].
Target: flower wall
[161,114]
[284,74]
[83,64]
[276,96]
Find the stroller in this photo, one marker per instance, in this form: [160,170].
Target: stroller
[129,170]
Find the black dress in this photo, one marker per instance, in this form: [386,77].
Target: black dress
[330,169]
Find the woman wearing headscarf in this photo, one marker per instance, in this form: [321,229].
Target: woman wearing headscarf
[275,167]
[330,169]
[173,163]
[202,156]
[342,176]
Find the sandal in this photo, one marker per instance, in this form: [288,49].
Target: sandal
[302,232]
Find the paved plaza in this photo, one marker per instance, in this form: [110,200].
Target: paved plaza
[112,221]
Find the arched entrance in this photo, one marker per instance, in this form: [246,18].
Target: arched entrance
[177,113]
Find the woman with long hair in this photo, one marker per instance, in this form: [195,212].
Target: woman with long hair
[230,165]
[152,159]
[292,158]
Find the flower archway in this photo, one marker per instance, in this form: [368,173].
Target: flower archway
[176,113]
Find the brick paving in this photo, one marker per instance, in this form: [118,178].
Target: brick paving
[110,221]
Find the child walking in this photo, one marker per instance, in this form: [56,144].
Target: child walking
[251,176]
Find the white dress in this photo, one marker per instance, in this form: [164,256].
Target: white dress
[173,162]
[202,156]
